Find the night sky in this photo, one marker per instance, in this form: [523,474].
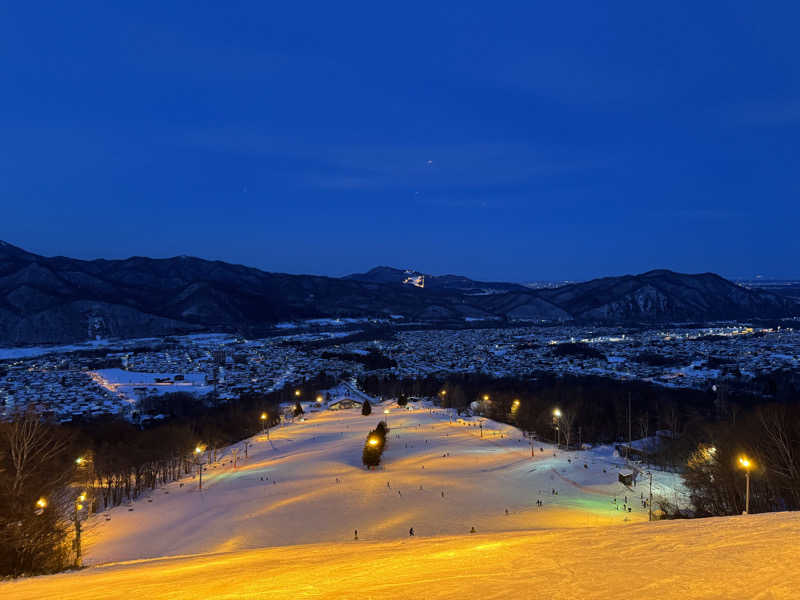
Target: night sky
[506,141]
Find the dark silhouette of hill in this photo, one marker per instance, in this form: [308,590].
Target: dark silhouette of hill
[59,299]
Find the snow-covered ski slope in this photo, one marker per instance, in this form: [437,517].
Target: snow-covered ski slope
[737,558]
[305,484]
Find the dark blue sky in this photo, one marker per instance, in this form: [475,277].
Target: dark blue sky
[518,141]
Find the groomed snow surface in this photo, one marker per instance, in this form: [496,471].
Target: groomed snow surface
[730,558]
[304,489]
[305,484]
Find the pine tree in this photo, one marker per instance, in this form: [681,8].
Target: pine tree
[298,410]
[366,408]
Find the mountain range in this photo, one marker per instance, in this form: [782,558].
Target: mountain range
[63,300]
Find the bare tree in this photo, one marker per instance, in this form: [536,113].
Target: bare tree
[781,446]
[35,503]
[30,446]
[566,423]
[670,417]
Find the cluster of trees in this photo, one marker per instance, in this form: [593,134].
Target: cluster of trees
[126,461]
[372,360]
[769,437]
[578,350]
[374,445]
[38,478]
[593,409]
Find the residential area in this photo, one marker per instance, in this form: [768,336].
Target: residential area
[113,377]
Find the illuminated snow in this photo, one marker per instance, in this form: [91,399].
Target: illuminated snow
[734,557]
[306,484]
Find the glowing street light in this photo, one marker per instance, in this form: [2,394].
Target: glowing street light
[319,399]
[78,507]
[373,441]
[41,503]
[80,460]
[486,398]
[746,464]
[264,418]
[198,451]
[297,393]
[386,418]
[556,417]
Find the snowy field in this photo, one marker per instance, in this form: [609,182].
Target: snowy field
[125,383]
[305,484]
[722,558]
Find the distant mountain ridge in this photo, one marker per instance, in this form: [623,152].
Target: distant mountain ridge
[449,282]
[62,300]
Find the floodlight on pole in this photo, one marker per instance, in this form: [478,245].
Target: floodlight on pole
[746,464]
[556,417]
[198,451]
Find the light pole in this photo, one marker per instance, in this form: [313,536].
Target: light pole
[78,507]
[515,408]
[556,417]
[85,464]
[650,501]
[264,424]
[746,464]
[198,451]
[386,418]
